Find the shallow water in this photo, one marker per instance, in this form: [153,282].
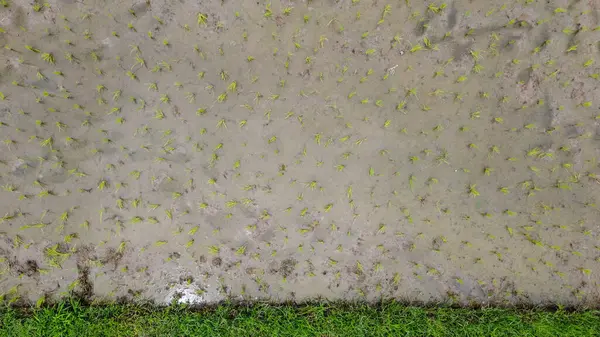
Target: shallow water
[293,150]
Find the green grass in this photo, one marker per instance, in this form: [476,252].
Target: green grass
[70,318]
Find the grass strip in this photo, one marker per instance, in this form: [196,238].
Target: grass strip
[72,318]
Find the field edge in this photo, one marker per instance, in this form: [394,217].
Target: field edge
[72,317]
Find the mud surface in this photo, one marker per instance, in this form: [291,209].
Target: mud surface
[199,151]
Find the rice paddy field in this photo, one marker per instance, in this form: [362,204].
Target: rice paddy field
[205,151]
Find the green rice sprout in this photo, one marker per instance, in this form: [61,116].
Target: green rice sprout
[48,57]
[473,190]
[202,19]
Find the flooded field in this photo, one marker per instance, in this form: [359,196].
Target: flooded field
[201,151]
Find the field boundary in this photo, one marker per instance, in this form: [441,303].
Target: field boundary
[72,317]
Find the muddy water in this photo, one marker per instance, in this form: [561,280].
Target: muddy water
[293,150]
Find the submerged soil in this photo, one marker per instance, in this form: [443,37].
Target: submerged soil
[202,151]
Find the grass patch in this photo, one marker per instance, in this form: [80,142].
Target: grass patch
[71,318]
